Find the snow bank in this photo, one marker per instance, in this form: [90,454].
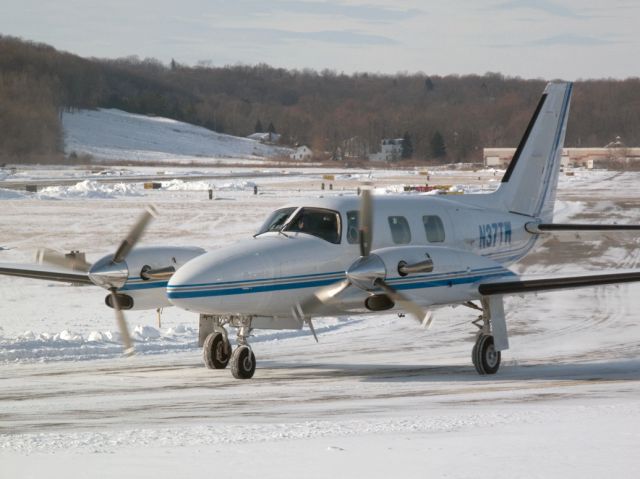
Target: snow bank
[180,185]
[12,195]
[90,189]
[65,345]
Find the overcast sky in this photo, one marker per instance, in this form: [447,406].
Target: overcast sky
[548,39]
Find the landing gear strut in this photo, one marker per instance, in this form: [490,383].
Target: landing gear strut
[486,351]
[216,349]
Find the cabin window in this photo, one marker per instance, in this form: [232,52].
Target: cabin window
[434,228]
[400,232]
[353,223]
[276,220]
[318,222]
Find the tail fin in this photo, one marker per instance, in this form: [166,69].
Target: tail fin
[530,182]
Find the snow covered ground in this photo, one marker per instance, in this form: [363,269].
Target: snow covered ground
[377,397]
[117,135]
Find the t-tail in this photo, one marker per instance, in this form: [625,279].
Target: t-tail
[530,182]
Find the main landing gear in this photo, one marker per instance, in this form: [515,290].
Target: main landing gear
[491,337]
[216,348]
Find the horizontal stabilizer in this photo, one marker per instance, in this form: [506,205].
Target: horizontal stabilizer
[541,228]
[550,284]
[38,272]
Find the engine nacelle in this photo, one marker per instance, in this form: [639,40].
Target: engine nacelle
[398,260]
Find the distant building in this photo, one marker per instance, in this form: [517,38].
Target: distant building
[271,138]
[302,153]
[390,150]
[587,157]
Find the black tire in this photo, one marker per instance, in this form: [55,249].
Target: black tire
[216,351]
[484,356]
[243,363]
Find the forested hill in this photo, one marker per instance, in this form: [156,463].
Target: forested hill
[320,109]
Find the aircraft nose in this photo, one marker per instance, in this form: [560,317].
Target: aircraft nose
[214,282]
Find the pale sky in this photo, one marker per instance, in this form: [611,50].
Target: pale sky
[568,39]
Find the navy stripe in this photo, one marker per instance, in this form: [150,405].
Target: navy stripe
[131,287]
[216,283]
[315,284]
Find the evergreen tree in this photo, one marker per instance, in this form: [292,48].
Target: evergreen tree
[258,128]
[438,147]
[428,84]
[271,128]
[407,146]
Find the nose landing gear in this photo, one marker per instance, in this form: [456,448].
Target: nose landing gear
[216,348]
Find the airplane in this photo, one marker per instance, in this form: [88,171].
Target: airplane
[354,255]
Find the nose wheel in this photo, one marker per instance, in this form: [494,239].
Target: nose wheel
[216,351]
[243,362]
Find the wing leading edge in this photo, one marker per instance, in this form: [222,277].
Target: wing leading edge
[550,284]
[51,274]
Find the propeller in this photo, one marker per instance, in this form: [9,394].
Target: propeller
[73,260]
[368,273]
[112,272]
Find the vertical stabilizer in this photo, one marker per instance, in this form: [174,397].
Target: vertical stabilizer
[529,184]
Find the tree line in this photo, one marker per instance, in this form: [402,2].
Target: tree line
[445,118]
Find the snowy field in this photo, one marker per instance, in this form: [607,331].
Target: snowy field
[110,134]
[377,397]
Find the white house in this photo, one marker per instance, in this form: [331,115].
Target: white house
[390,150]
[302,153]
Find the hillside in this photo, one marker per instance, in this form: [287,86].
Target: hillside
[327,110]
[117,135]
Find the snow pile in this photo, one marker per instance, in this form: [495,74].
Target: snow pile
[118,135]
[237,186]
[69,345]
[180,185]
[90,189]
[12,195]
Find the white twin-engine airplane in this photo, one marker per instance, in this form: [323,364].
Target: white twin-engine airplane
[350,255]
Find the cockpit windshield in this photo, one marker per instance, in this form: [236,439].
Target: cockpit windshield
[318,222]
[276,220]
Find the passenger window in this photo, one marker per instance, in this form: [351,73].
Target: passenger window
[434,228]
[400,232]
[353,234]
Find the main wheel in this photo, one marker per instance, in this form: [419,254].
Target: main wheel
[484,355]
[243,363]
[216,351]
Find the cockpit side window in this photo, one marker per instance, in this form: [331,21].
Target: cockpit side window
[318,222]
[353,224]
[276,220]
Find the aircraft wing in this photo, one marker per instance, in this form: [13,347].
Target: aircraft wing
[46,273]
[549,284]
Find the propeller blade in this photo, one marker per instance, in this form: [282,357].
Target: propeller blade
[366,222]
[74,260]
[313,330]
[405,303]
[135,234]
[428,319]
[315,301]
[122,325]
